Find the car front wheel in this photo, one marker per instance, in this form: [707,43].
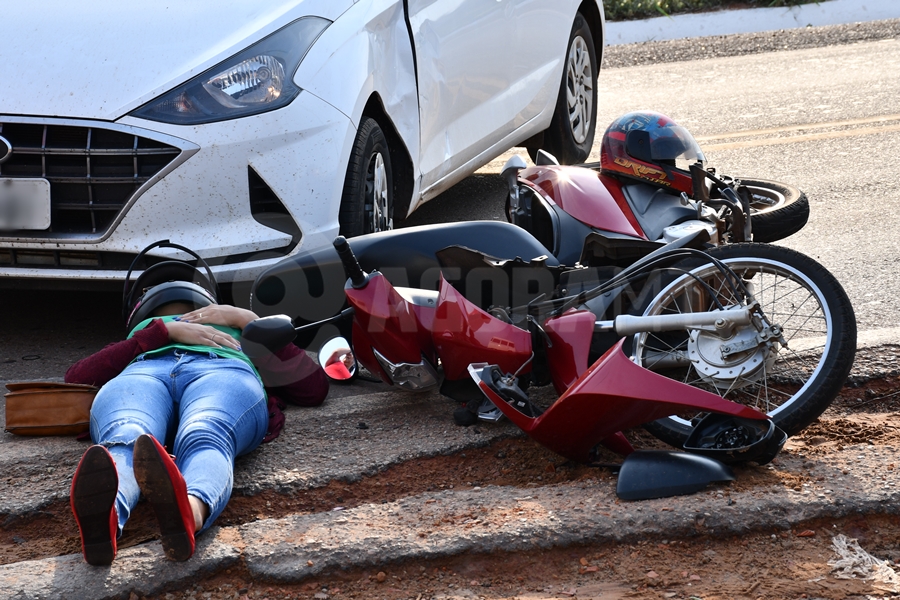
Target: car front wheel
[571,133]
[367,201]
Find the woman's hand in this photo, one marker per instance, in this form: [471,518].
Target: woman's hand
[219,314]
[194,334]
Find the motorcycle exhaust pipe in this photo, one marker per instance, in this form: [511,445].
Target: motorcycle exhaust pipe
[723,321]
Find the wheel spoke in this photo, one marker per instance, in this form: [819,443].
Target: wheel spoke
[769,382]
[571,99]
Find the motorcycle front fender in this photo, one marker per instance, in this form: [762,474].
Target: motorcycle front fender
[650,474]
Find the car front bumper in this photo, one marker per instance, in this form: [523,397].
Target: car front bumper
[200,197]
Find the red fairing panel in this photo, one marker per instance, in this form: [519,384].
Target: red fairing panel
[613,395]
[594,199]
[570,336]
[463,334]
[385,321]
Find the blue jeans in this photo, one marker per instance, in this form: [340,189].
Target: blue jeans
[206,409]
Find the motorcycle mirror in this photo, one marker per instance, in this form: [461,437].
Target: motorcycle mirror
[731,439]
[647,474]
[699,182]
[544,158]
[267,335]
[510,174]
[336,357]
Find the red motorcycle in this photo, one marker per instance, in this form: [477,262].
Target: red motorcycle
[402,334]
[701,310]
[602,268]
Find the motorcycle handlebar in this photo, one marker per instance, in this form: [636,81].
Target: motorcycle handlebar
[351,266]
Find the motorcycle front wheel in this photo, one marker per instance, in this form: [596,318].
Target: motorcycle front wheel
[793,384]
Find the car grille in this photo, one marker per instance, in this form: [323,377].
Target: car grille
[93,171]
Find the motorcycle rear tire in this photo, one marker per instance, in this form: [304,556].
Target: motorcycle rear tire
[781,209]
[811,307]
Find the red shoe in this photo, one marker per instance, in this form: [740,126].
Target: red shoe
[93,501]
[163,486]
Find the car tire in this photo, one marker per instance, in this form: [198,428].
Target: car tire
[367,203]
[570,135]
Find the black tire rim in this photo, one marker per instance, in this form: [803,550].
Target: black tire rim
[765,199]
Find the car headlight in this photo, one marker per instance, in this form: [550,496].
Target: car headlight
[255,80]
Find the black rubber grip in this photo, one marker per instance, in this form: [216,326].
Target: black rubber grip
[351,266]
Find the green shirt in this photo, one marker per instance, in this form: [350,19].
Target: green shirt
[222,351]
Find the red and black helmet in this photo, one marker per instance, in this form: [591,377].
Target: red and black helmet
[651,148]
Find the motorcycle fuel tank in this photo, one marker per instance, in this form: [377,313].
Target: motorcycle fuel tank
[589,196]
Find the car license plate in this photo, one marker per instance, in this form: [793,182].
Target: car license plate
[24,204]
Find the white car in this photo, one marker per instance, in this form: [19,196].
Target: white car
[251,131]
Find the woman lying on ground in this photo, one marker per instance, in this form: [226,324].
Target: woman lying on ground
[180,380]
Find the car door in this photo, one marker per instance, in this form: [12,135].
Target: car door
[484,68]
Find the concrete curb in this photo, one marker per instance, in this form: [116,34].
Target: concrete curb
[480,521]
[826,12]
[502,519]
[142,570]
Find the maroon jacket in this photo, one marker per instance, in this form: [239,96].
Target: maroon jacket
[289,374]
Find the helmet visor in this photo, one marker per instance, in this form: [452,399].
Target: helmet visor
[675,143]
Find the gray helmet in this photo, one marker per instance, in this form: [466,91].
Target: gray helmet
[165,282]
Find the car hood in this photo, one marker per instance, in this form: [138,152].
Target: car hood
[104,58]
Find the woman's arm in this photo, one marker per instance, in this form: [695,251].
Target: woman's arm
[100,367]
[220,314]
[293,376]
[288,373]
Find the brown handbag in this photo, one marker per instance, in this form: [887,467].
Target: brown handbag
[46,408]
